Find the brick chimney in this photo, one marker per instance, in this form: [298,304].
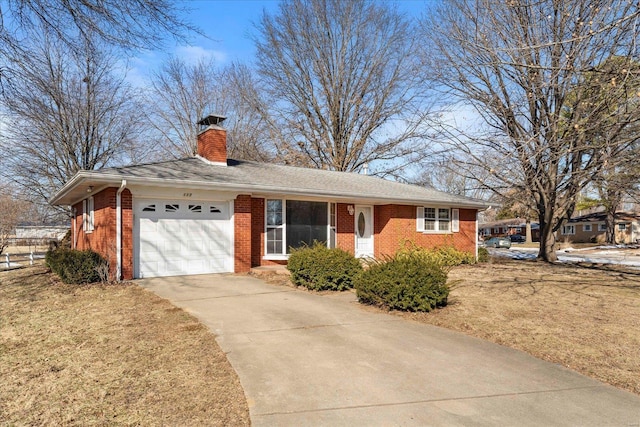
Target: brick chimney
[212,139]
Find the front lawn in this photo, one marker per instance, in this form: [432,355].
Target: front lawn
[586,318]
[107,355]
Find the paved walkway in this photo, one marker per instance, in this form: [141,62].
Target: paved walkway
[308,359]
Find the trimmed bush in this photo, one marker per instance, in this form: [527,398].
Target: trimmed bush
[483,255]
[75,267]
[444,256]
[408,282]
[320,268]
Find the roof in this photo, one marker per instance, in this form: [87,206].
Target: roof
[509,222]
[247,177]
[602,216]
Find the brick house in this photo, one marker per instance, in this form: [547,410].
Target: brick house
[210,214]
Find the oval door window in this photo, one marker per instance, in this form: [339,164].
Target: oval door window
[361,224]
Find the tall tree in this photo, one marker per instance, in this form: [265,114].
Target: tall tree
[522,65]
[130,24]
[12,211]
[68,110]
[344,83]
[181,94]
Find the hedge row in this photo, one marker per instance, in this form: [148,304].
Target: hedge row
[76,267]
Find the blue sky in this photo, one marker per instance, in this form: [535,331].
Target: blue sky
[228,25]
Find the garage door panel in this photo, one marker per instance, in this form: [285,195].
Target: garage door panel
[186,240]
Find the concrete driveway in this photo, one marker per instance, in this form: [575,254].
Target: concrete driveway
[308,359]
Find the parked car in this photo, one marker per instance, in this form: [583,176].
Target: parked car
[498,242]
[517,238]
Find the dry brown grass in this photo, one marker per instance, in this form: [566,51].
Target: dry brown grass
[586,318]
[107,355]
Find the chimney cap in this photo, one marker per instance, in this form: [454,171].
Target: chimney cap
[212,119]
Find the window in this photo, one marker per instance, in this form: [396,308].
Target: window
[586,227]
[149,208]
[602,227]
[437,220]
[295,223]
[171,208]
[213,209]
[622,227]
[568,230]
[332,225]
[195,208]
[275,227]
[87,215]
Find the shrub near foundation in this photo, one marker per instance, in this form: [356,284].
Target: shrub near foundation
[320,268]
[407,282]
[75,267]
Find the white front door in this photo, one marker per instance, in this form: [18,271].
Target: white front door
[364,231]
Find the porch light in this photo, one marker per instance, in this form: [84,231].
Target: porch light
[350,209]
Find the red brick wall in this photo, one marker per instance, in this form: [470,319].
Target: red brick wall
[257,231]
[212,145]
[345,229]
[127,234]
[103,238]
[395,225]
[242,230]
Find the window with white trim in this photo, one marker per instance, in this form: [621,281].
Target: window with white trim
[602,227]
[437,220]
[568,230]
[622,227]
[296,223]
[586,227]
[87,215]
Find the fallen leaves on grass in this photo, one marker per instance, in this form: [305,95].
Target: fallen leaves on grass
[105,355]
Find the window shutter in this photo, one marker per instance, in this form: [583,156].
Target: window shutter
[420,218]
[84,215]
[455,220]
[90,209]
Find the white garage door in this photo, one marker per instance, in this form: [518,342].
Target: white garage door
[176,238]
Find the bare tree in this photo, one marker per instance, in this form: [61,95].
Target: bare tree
[181,94]
[68,111]
[130,24]
[344,83]
[522,66]
[12,211]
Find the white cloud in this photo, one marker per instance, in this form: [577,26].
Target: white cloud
[191,54]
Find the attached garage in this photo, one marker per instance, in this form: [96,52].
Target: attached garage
[178,237]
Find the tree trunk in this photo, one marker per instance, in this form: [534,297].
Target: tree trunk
[610,222]
[547,250]
[528,236]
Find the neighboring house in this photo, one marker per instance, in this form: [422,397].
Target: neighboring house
[591,228]
[41,232]
[508,227]
[210,214]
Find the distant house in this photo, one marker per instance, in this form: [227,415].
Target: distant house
[41,232]
[508,227]
[212,214]
[591,228]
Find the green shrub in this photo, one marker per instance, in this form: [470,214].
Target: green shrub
[444,256]
[483,255]
[320,268]
[75,267]
[408,281]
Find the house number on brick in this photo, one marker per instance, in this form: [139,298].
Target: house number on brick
[186,194]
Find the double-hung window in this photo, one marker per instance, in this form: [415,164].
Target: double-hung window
[87,215]
[275,227]
[437,219]
[568,230]
[586,227]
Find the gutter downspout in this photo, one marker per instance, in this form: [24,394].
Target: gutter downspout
[119,230]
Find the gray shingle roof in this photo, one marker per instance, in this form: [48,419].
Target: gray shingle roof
[267,178]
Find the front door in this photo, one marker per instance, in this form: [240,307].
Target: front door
[364,231]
